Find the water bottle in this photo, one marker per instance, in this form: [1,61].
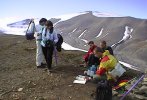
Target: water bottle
[91,73]
[88,72]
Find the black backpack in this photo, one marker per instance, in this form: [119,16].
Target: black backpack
[59,43]
[103,91]
[30,35]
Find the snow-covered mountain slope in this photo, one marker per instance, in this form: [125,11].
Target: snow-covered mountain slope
[68,16]
[104,14]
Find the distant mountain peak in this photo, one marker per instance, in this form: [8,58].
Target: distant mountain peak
[105,14]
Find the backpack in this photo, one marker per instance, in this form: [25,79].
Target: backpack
[103,91]
[30,31]
[59,43]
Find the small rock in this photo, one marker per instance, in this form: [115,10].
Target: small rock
[143,89]
[21,72]
[141,97]
[145,79]
[70,85]
[34,84]
[114,93]
[133,82]
[15,97]
[70,97]
[128,86]
[13,53]
[18,42]
[41,98]
[20,89]
[1,90]
[144,83]
[130,96]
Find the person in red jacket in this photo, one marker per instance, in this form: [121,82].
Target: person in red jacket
[89,53]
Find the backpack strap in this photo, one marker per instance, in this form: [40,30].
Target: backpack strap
[29,26]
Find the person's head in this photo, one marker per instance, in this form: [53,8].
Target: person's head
[91,43]
[103,44]
[98,52]
[49,25]
[42,21]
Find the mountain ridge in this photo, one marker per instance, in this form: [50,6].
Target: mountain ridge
[78,29]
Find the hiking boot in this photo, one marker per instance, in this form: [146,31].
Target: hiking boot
[39,66]
[49,72]
[43,64]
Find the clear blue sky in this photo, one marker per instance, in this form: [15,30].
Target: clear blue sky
[49,8]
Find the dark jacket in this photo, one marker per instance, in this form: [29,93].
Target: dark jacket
[109,49]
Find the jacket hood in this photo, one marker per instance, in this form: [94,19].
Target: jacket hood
[106,53]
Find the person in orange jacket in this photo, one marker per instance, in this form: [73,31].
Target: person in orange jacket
[107,63]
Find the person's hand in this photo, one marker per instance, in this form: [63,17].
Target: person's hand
[85,64]
[91,53]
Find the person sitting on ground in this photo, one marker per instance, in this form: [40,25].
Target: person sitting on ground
[90,51]
[104,46]
[107,63]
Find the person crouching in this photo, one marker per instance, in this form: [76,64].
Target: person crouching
[107,63]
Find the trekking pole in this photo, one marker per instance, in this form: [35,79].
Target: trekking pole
[55,55]
[125,94]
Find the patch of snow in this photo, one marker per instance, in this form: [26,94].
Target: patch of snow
[84,40]
[56,23]
[127,35]
[36,20]
[103,14]
[105,35]
[68,16]
[14,30]
[8,20]
[82,33]
[17,29]
[129,66]
[74,30]
[66,46]
[100,33]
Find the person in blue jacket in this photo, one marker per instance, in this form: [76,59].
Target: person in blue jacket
[49,40]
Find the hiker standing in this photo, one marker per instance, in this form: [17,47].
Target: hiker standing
[49,40]
[104,46]
[38,34]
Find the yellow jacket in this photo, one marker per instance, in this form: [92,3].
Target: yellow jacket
[108,62]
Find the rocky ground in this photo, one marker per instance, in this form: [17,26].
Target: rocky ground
[21,80]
